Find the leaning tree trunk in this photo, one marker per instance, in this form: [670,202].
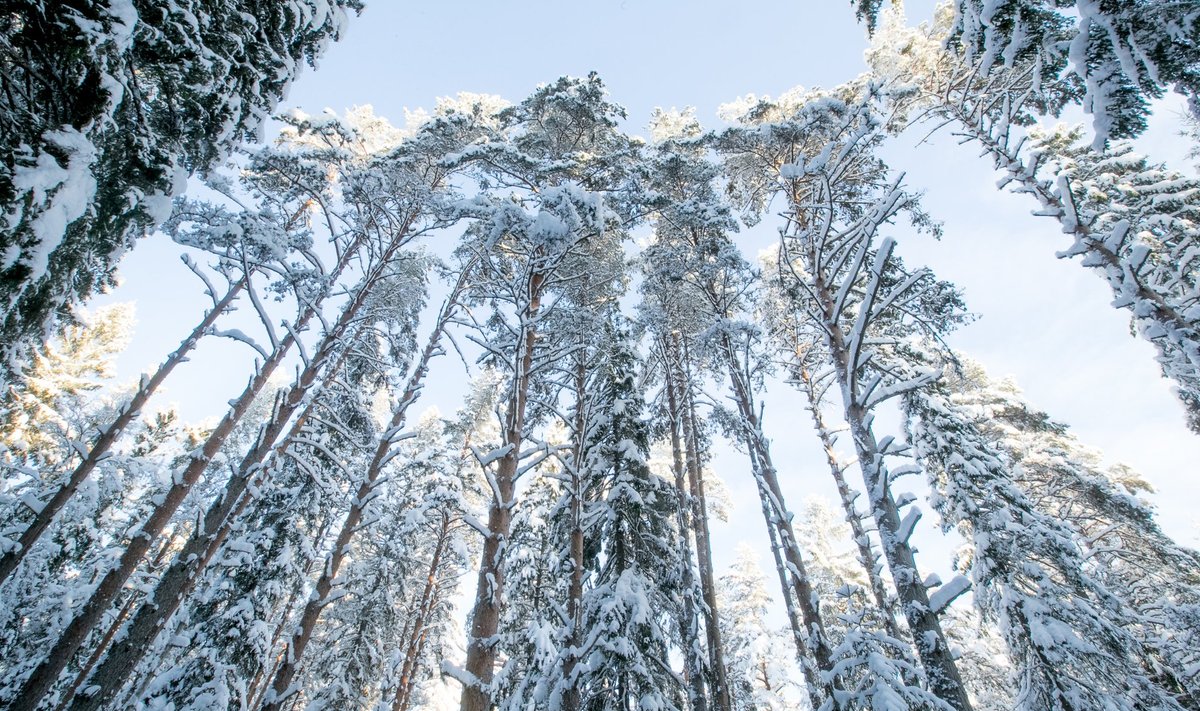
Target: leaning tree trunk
[109,435]
[73,636]
[866,552]
[187,566]
[721,698]
[928,636]
[111,632]
[780,520]
[286,672]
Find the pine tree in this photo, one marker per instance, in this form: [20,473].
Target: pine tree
[413,194]
[1112,58]
[1131,220]
[562,142]
[626,614]
[106,108]
[817,150]
[700,284]
[1063,627]
[1123,547]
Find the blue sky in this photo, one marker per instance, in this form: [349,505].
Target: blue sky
[1045,321]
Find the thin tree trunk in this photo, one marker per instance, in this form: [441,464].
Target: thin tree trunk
[111,632]
[808,666]
[187,567]
[280,686]
[720,686]
[571,697]
[928,636]
[420,631]
[485,616]
[693,660]
[866,552]
[780,519]
[104,442]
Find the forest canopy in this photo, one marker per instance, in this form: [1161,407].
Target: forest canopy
[501,378]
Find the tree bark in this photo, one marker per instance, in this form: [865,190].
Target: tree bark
[415,645]
[866,552]
[693,661]
[720,686]
[489,596]
[571,696]
[780,520]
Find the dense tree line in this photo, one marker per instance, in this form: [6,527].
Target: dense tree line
[306,549]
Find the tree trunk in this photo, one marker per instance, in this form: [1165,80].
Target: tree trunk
[571,697]
[111,632]
[179,578]
[693,661]
[720,686]
[780,519]
[489,592]
[420,629]
[866,552]
[928,637]
[286,671]
[41,521]
[73,636]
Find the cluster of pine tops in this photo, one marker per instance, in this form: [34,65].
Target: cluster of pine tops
[306,550]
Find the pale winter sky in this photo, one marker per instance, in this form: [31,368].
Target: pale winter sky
[1044,321]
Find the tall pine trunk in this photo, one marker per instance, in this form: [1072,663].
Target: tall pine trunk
[571,697]
[867,556]
[780,521]
[721,698]
[73,636]
[689,626]
[480,665]
[932,647]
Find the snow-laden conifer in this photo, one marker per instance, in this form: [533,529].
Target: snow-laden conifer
[700,286]
[556,180]
[1130,219]
[623,645]
[106,108]
[817,150]
[1122,545]
[1063,627]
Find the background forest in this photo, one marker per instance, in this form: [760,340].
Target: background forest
[474,411]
